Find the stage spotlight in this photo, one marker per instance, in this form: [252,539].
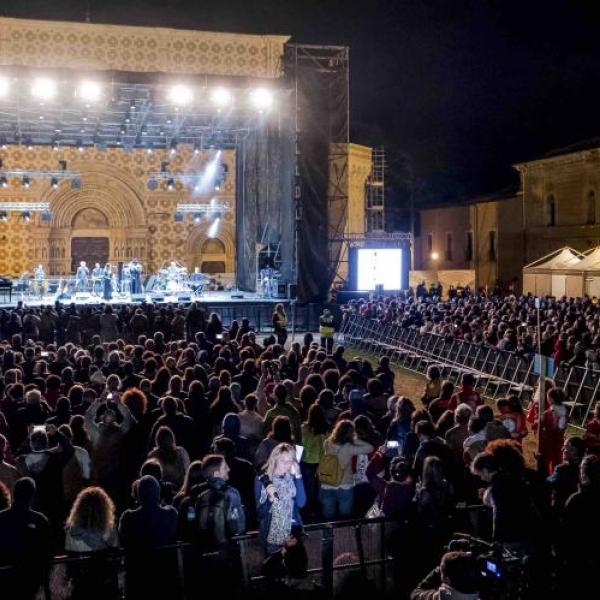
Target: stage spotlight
[197,217]
[173,146]
[170,184]
[132,105]
[221,97]
[180,94]
[90,91]
[4,86]
[3,216]
[26,182]
[149,149]
[55,144]
[43,88]
[29,144]
[196,148]
[54,183]
[217,187]
[262,99]
[3,144]
[434,256]
[214,228]
[80,146]
[26,216]
[3,182]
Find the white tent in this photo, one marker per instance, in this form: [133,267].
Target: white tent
[556,274]
[587,271]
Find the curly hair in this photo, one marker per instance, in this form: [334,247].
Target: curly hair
[93,509]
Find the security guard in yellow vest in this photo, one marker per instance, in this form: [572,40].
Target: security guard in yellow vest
[326,330]
[280,322]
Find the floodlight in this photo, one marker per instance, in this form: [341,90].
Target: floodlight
[262,99]
[180,94]
[90,91]
[221,97]
[43,88]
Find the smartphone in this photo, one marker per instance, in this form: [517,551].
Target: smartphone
[299,452]
[43,354]
[109,396]
[38,428]
[392,445]
[219,336]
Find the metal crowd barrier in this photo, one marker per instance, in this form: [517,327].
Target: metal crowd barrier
[333,549]
[497,372]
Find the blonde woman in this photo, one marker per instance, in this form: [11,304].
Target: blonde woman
[90,528]
[279,497]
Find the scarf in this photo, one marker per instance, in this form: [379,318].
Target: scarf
[282,510]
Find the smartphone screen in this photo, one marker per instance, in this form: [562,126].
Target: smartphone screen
[39,428]
[109,396]
[299,452]
[43,354]
[219,336]
[392,445]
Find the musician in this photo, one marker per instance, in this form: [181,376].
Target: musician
[126,279]
[97,274]
[107,282]
[82,277]
[135,270]
[39,276]
[173,272]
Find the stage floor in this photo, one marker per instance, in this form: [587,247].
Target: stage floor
[207,298]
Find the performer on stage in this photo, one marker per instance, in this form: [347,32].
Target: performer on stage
[125,279]
[39,277]
[107,282]
[135,270]
[173,276]
[82,277]
[97,274]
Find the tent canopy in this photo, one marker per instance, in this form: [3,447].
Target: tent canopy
[564,259]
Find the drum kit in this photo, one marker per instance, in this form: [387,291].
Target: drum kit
[173,278]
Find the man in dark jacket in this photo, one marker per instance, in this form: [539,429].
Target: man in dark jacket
[145,532]
[24,544]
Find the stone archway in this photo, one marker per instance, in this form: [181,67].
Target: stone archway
[211,254]
[108,204]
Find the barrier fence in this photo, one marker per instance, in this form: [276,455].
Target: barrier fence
[497,372]
[333,549]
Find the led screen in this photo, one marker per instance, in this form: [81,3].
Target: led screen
[382,266]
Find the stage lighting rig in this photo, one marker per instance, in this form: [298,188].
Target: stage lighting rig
[26,182]
[170,184]
[26,216]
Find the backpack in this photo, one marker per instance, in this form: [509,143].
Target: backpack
[330,470]
[211,517]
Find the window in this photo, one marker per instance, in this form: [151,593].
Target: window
[550,211]
[448,246]
[469,247]
[429,243]
[492,245]
[591,208]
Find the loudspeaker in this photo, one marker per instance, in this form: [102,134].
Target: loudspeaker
[185,298]
[237,295]
[157,298]
[281,290]
[292,291]
[138,297]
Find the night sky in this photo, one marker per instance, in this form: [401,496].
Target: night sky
[455,90]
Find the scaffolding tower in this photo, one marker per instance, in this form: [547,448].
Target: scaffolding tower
[375,194]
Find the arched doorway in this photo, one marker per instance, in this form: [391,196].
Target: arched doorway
[89,238]
[213,257]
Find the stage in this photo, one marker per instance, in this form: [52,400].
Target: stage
[220,298]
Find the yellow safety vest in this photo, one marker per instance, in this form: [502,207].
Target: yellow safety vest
[326,328]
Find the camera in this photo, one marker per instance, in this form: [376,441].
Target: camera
[501,573]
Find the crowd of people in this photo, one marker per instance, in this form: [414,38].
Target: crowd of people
[569,328]
[148,426]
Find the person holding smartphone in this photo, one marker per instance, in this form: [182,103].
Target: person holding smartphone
[279,496]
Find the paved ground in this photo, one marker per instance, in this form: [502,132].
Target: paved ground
[411,385]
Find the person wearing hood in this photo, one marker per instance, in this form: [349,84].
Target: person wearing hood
[232,429]
[151,571]
[455,579]
[24,544]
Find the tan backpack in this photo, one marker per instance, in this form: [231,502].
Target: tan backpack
[330,470]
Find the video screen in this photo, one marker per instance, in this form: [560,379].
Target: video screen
[379,267]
